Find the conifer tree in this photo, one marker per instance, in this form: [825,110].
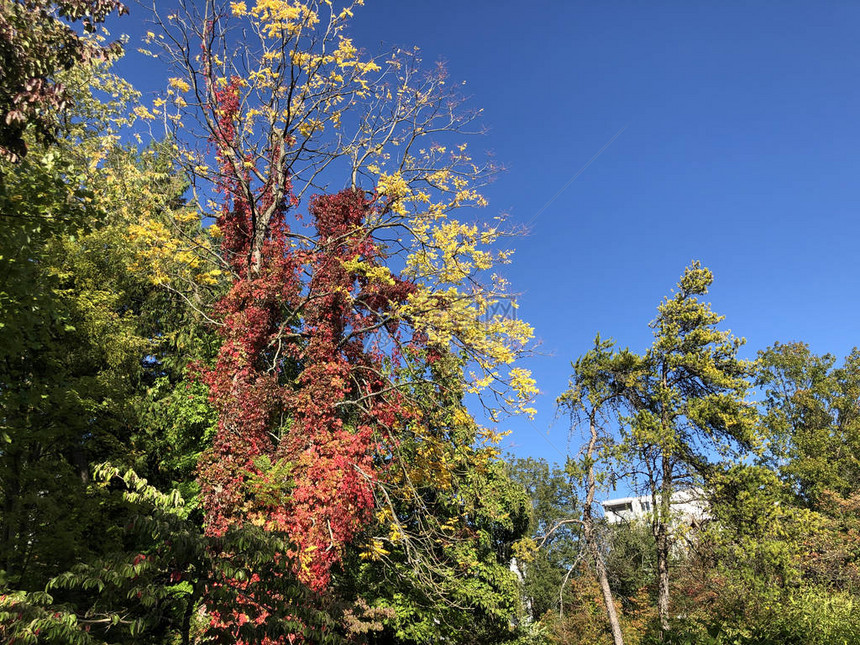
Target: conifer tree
[683,409]
[687,402]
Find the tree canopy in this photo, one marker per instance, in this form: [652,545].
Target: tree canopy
[254,374]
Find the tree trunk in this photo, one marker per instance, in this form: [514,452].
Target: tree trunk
[662,519]
[10,518]
[663,580]
[608,600]
[591,541]
[661,527]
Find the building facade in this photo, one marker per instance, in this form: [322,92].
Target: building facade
[688,505]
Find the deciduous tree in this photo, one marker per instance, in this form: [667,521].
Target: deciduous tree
[812,419]
[37,44]
[343,308]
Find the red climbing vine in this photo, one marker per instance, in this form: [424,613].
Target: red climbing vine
[299,395]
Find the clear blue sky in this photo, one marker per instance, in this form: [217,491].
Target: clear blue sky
[741,149]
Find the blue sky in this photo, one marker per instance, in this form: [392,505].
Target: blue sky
[740,149]
[741,124]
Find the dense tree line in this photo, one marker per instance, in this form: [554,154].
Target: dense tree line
[234,359]
[232,400]
[769,446]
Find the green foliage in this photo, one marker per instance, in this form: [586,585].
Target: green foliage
[81,345]
[69,367]
[35,45]
[686,401]
[759,537]
[687,396]
[630,562]
[30,619]
[170,583]
[740,616]
[553,498]
[457,585]
[811,417]
[87,348]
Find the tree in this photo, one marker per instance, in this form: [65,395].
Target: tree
[309,373]
[85,340]
[152,589]
[812,419]
[554,499]
[593,393]
[683,402]
[782,529]
[72,339]
[686,402]
[293,107]
[35,46]
[767,570]
[440,569]
[350,335]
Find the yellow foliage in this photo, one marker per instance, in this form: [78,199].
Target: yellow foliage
[374,550]
[304,76]
[525,549]
[281,19]
[143,113]
[179,84]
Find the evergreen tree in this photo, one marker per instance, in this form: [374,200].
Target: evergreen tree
[683,405]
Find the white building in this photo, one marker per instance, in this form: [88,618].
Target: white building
[688,505]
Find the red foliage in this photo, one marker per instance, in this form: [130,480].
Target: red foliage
[329,441]
[299,397]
